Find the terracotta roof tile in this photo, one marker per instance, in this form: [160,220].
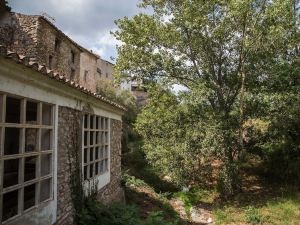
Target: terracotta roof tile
[31,63]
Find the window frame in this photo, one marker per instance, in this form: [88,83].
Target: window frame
[106,147]
[22,125]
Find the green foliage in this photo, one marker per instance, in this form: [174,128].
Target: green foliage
[229,176]
[252,215]
[131,180]
[174,157]
[95,213]
[108,89]
[232,56]
[4,6]
[282,149]
[157,218]
[124,97]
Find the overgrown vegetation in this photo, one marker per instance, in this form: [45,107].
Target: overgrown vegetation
[239,62]
[96,213]
[234,129]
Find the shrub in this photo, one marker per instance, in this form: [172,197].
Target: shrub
[95,213]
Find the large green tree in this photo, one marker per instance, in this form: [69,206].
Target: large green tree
[224,52]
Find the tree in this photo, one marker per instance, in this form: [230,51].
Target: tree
[4,7]
[222,51]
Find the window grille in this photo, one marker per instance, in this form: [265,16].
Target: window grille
[26,154]
[95,146]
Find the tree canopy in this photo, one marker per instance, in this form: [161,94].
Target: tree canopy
[229,54]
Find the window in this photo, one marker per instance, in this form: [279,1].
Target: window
[99,71]
[86,73]
[26,154]
[96,146]
[72,77]
[73,56]
[50,62]
[106,75]
[56,44]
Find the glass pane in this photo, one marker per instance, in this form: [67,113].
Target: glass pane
[85,138]
[101,167]
[85,121]
[91,122]
[31,140]
[13,110]
[31,112]
[10,205]
[91,137]
[106,123]
[91,154]
[102,152]
[97,122]
[46,140]
[29,196]
[46,164]
[85,172]
[11,141]
[45,190]
[85,155]
[101,138]
[91,170]
[47,114]
[11,172]
[106,138]
[102,123]
[97,141]
[96,168]
[30,168]
[97,153]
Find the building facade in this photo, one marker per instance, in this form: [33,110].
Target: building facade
[44,117]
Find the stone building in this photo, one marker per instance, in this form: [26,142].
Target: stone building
[44,119]
[89,74]
[106,69]
[42,40]
[46,44]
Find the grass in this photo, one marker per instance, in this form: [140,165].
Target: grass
[280,210]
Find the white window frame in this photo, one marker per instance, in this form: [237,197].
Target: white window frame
[23,125]
[100,144]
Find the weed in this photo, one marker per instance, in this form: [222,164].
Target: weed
[252,215]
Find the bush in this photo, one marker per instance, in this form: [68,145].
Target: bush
[95,213]
[282,165]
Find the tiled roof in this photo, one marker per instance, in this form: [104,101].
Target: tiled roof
[31,63]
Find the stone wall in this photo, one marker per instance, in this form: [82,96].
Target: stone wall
[69,138]
[88,63]
[69,135]
[35,37]
[61,54]
[106,70]
[19,33]
[113,191]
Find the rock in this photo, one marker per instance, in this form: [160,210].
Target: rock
[178,206]
[200,215]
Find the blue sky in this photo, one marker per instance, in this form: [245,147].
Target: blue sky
[87,22]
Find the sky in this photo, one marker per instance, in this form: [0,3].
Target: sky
[88,22]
